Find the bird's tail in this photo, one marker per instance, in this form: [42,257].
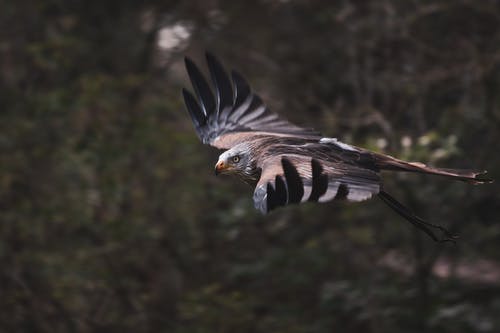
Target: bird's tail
[385,162]
[417,221]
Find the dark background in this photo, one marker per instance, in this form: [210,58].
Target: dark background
[111,218]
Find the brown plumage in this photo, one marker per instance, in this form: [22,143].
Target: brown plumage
[288,164]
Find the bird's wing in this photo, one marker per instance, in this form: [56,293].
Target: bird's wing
[234,114]
[289,179]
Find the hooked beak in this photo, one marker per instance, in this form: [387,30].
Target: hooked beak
[220,167]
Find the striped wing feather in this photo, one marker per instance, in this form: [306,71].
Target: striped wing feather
[294,179]
[234,113]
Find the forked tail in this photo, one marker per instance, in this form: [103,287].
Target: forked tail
[385,162]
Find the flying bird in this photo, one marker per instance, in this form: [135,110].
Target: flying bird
[289,164]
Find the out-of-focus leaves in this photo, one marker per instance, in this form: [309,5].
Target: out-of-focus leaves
[111,218]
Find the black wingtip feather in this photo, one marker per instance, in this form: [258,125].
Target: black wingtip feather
[342,192]
[319,181]
[241,88]
[221,82]
[201,87]
[280,191]
[197,115]
[293,181]
[270,198]
[276,196]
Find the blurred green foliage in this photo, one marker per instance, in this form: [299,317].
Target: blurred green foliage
[111,218]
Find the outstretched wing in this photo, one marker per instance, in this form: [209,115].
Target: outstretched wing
[293,179]
[234,113]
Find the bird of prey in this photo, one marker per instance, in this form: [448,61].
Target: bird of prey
[286,163]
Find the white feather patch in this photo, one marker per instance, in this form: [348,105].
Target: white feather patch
[338,143]
[330,194]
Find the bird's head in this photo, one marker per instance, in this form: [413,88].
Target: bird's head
[231,162]
[237,161]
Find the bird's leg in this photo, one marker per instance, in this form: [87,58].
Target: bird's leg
[447,236]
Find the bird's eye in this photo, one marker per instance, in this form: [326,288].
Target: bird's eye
[236,159]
